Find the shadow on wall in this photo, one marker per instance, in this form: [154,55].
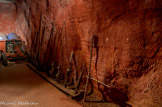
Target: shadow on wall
[121,99]
[116,96]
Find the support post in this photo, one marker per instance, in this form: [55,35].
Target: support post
[88,75]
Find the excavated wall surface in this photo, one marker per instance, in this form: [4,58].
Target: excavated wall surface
[127,54]
[12,20]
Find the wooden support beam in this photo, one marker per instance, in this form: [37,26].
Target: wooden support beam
[55,83]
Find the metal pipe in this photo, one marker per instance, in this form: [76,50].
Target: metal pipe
[99,82]
[7,1]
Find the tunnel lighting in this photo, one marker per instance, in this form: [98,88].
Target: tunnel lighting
[7,1]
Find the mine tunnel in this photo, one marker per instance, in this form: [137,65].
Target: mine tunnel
[90,53]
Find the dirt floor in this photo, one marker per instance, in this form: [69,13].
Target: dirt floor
[20,86]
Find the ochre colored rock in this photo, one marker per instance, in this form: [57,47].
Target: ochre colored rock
[12,20]
[128,45]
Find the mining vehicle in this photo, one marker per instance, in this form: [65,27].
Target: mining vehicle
[11,50]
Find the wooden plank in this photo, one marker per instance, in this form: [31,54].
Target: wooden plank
[55,83]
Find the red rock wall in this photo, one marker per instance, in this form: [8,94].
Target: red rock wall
[12,20]
[128,45]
